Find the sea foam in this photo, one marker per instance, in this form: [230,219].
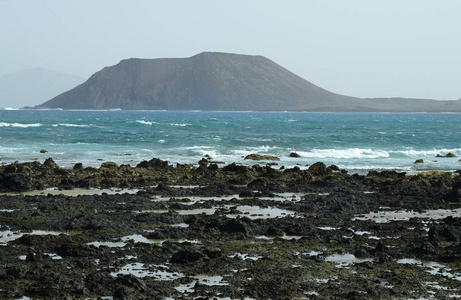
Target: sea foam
[344,153]
[19,125]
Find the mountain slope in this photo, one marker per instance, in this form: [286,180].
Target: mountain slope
[207,81]
[32,86]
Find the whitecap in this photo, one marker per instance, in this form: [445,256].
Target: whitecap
[344,153]
[146,122]
[431,153]
[69,125]
[180,124]
[19,125]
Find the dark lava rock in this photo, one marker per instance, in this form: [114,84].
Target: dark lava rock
[319,169]
[109,165]
[258,184]
[78,166]
[67,183]
[212,252]
[154,163]
[49,162]
[76,250]
[234,226]
[14,183]
[294,154]
[449,231]
[261,157]
[454,195]
[186,256]
[449,154]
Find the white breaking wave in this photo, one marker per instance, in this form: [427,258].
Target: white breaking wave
[425,153]
[344,153]
[180,124]
[146,122]
[18,125]
[70,125]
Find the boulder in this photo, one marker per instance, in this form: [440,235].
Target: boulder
[454,195]
[234,226]
[261,157]
[203,162]
[154,163]
[186,256]
[78,166]
[294,154]
[419,161]
[49,162]
[319,169]
[234,168]
[449,154]
[14,183]
[109,165]
[43,151]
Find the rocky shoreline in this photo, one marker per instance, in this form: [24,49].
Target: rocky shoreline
[161,231]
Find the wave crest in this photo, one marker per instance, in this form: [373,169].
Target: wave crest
[344,153]
[19,125]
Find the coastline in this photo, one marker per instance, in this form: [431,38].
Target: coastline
[356,142]
[227,231]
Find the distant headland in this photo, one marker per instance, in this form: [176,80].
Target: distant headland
[220,81]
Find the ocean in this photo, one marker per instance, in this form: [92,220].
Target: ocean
[358,142]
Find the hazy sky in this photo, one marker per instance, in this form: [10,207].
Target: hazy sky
[363,48]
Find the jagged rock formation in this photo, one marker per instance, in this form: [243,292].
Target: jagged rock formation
[218,81]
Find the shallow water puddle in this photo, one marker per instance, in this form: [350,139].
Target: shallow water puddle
[203,280]
[137,238]
[282,197]
[108,244]
[433,268]
[140,270]
[245,256]
[79,192]
[8,236]
[190,200]
[344,260]
[161,273]
[312,253]
[283,237]
[180,225]
[256,212]
[400,215]
[327,228]
[51,255]
[252,212]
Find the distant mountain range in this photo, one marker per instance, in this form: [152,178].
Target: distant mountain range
[219,81]
[32,86]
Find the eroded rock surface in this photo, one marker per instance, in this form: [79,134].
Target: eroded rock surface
[232,232]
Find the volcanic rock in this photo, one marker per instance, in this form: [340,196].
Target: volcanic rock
[261,157]
[218,81]
[294,154]
[449,154]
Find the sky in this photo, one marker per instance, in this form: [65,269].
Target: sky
[359,48]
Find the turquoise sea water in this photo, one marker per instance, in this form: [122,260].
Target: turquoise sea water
[354,141]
